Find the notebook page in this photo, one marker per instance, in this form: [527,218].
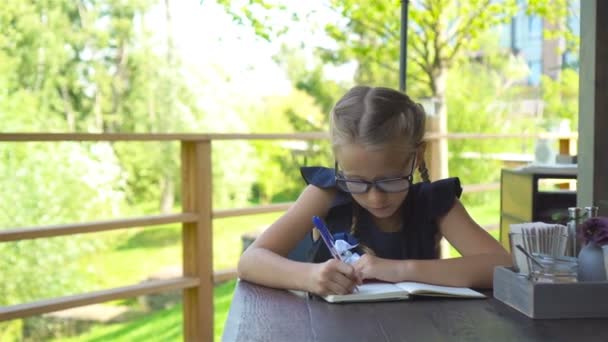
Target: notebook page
[370,291]
[437,290]
[375,288]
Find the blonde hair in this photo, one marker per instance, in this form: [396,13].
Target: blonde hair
[377,117]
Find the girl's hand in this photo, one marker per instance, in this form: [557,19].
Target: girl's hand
[373,267]
[333,277]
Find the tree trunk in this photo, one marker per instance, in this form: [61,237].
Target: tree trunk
[167,194]
[164,123]
[70,117]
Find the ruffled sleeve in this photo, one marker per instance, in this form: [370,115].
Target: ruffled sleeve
[440,196]
[325,178]
[425,204]
[320,176]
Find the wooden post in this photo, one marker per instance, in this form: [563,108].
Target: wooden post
[593,106]
[433,159]
[567,146]
[435,156]
[197,240]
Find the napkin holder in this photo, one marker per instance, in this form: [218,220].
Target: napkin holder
[551,300]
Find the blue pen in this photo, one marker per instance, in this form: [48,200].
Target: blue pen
[326,236]
[328,239]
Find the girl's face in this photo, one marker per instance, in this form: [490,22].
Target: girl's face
[357,162]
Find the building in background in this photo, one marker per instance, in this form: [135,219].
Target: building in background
[525,36]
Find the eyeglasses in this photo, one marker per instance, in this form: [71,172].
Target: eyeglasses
[360,186]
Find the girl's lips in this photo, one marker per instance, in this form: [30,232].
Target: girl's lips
[380,208]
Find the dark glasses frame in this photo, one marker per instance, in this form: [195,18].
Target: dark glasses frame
[342,182]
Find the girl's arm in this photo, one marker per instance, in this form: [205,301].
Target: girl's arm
[480,254]
[265,262]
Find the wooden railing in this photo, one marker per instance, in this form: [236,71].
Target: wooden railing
[196,218]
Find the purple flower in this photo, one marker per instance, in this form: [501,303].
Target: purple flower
[595,230]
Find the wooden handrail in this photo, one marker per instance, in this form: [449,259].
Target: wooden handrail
[271,208]
[27,137]
[32,137]
[91,227]
[458,136]
[67,302]
[258,209]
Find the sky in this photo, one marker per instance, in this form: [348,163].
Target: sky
[219,50]
[216,49]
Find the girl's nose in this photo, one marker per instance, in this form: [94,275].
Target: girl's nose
[376,196]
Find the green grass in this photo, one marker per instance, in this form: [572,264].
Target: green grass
[227,236]
[488,212]
[161,326]
[151,249]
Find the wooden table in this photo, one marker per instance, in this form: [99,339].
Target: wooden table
[259,313]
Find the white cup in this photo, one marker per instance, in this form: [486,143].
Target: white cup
[605,250]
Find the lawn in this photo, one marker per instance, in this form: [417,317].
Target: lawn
[149,250]
[160,326]
[489,212]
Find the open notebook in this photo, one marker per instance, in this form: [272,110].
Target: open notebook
[369,292]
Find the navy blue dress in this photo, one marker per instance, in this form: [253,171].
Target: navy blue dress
[424,204]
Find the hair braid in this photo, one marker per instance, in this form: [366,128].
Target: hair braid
[354,231]
[424,172]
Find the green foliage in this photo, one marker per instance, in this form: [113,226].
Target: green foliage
[492,83]
[46,184]
[69,58]
[277,177]
[94,67]
[556,13]
[75,66]
[561,98]
[438,34]
[11,330]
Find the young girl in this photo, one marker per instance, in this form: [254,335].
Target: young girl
[377,138]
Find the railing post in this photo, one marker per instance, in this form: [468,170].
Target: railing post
[433,159]
[197,240]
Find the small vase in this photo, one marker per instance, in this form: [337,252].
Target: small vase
[591,263]
[543,153]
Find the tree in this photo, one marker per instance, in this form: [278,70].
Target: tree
[441,33]
[559,13]
[560,97]
[493,81]
[277,174]
[97,67]
[560,93]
